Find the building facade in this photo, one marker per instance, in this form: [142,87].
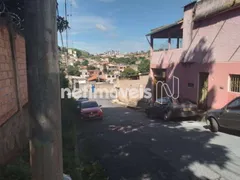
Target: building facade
[203,53]
[111,78]
[84,74]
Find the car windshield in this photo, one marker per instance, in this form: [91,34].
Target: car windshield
[83,99]
[89,105]
[164,100]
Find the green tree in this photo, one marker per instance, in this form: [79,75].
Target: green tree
[123,60]
[79,54]
[76,64]
[62,24]
[64,83]
[144,66]
[91,68]
[85,63]
[129,72]
[73,71]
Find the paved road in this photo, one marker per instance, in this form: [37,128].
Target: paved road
[130,146]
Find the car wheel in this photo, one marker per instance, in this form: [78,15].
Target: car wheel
[147,112]
[166,116]
[213,124]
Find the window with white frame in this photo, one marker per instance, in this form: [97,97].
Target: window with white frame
[235,83]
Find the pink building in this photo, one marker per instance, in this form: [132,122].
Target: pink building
[206,57]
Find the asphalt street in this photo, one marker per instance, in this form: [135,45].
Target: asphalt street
[130,146]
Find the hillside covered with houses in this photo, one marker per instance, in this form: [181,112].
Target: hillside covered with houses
[108,68]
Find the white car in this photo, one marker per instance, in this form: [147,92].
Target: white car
[66,177]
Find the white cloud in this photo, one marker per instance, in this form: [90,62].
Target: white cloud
[81,24]
[107,1]
[101,27]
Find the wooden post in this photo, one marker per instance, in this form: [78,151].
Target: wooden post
[151,46]
[44,90]
[178,43]
[169,43]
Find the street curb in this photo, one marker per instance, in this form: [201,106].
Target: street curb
[127,105]
[133,107]
[119,103]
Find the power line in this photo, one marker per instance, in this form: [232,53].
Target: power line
[70,16]
[66,17]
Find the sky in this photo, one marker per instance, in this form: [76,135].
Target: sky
[98,26]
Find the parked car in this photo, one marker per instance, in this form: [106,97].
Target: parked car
[90,110]
[168,108]
[227,117]
[66,177]
[81,100]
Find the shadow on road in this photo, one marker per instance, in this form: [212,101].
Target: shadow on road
[129,146]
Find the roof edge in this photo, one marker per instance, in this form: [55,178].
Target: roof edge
[161,28]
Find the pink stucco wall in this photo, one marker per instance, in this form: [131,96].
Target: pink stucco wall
[187,26]
[217,39]
[218,81]
[215,48]
[162,59]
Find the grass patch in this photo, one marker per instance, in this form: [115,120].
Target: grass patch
[19,169]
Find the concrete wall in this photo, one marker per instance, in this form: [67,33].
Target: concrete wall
[216,39]
[209,8]
[13,93]
[142,83]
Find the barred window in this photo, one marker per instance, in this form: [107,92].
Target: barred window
[235,83]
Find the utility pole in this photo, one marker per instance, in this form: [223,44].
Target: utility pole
[44,90]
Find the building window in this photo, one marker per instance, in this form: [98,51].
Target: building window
[235,83]
[77,85]
[190,85]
